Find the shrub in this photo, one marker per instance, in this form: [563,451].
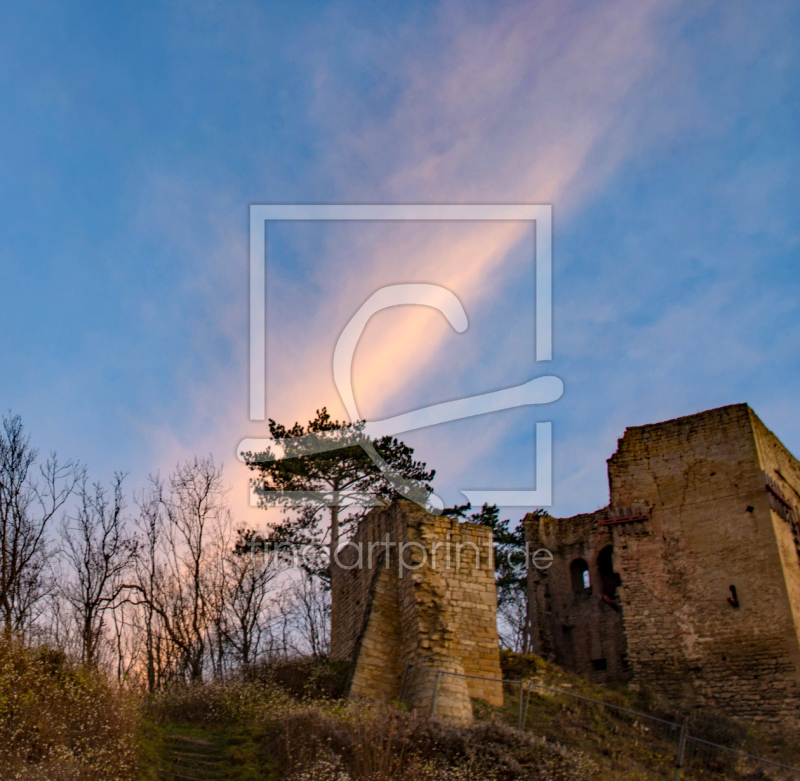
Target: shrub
[59,721]
[235,701]
[378,745]
[301,677]
[259,693]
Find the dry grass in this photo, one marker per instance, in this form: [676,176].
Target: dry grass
[284,726]
[61,722]
[222,702]
[383,745]
[302,737]
[632,747]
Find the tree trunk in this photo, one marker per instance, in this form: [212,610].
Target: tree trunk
[334,546]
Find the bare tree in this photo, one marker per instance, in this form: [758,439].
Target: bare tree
[248,616]
[512,622]
[126,638]
[185,527]
[197,511]
[29,499]
[59,628]
[98,550]
[149,579]
[310,614]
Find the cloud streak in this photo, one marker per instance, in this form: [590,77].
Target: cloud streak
[530,103]
[523,107]
[526,105]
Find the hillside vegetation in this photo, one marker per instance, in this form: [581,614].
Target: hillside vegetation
[60,721]
[287,722]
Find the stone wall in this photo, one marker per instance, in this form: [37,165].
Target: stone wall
[699,505]
[578,625]
[413,588]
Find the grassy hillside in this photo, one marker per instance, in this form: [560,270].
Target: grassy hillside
[288,723]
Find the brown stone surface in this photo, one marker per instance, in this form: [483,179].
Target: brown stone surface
[437,610]
[697,517]
[569,623]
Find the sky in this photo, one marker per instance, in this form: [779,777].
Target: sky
[136,136]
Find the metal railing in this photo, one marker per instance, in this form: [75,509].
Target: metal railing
[698,756]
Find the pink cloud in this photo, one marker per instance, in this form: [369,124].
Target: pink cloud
[528,106]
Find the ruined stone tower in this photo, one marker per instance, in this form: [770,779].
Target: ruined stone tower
[573,605]
[414,588]
[689,581]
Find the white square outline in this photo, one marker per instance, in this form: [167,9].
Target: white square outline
[540,214]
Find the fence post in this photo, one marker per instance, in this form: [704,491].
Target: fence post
[521,692]
[433,696]
[527,703]
[679,754]
[405,678]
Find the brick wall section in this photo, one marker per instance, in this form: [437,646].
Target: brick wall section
[439,611]
[578,629]
[710,524]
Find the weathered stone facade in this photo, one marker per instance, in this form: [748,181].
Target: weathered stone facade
[435,608]
[575,618]
[703,520]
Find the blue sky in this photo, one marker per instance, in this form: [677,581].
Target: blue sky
[665,134]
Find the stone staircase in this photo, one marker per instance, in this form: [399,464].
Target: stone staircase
[192,759]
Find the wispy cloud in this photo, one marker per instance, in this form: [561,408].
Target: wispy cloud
[663,132]
[531,103]
[524,106]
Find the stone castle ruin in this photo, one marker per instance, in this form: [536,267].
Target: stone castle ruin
[688,582]
[414,595]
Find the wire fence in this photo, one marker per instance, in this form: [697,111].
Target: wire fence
[670,749]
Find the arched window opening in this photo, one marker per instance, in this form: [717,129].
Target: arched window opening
[609,580]
[579,571]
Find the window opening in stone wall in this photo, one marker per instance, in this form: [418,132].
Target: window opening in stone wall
[733,599]
[579,571]
[609,580]
[599,664]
